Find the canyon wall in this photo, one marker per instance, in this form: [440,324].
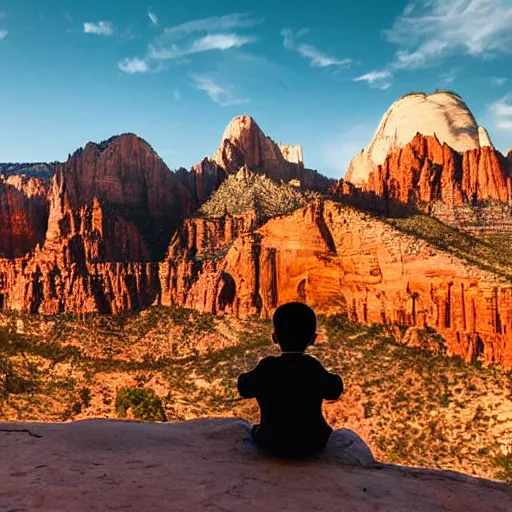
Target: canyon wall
[115,230]
[340,260]
[23,215]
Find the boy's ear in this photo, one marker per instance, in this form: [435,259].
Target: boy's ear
[274,338]
[313,339]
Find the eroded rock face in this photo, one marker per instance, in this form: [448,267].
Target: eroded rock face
[442,114]
[425,170]
[23,215]
[244,144]
[203,179]
[340,260]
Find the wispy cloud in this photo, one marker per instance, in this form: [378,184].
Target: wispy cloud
[177,94]
[449,77]
[135,65]
[432,29]
[153,17]
[181,41]
[68,17]
[221,95]
[3,15]
[316,57]
[216,23]
[376,79]
[206,43]
[3,34]
[101,28]
[501,111]
[498,81]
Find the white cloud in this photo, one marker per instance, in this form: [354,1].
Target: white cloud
[218,94]
[177,95]
[496,80]
[433,29]
[316,57]
[102,28]
[376,79]
[132,66]
[429,31]
[320,60]
[501,111]
[210,25]
[206,43]
[3,34]
[449,77]
[153,17]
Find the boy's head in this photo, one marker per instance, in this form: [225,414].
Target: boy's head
[294,327]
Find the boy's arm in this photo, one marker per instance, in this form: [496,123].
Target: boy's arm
[249,383]
[332,386]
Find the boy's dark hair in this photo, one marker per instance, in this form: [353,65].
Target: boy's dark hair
[294,326]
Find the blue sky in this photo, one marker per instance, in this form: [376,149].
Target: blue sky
[175,73]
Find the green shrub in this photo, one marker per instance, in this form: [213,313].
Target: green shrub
[85,396]
[144,403]
[504,465]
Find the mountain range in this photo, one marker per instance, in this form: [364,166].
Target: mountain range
[416,235]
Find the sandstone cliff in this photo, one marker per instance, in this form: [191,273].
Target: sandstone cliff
[244,143]
[40,170]
[210,464]
[442,114]
[247,191]
[101,238]
[340,260]
[203,179]
[425,170]
[23,215]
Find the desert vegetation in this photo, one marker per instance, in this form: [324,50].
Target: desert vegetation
[412,406]
[247,191]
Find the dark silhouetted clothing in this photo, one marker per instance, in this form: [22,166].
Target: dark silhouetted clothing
[289,390]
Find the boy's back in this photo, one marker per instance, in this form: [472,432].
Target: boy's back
[289,390]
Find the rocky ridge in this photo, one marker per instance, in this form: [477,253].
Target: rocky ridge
[443,114]
[113,208]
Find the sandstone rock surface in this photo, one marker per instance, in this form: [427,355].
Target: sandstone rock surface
[211,465]
[340,260]
[244,143]
[23,215]
[442,114]
[425,170]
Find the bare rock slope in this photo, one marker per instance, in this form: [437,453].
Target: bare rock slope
[210,465]
[443,114]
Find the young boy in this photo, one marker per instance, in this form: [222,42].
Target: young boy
[290,388]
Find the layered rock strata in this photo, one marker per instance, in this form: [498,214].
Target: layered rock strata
[340,260]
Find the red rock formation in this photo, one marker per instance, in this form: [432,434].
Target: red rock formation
[203,179]
[426,170]
[41,284]
[118,196]
[341,260]
[112,204]
[244,143]
[23,215]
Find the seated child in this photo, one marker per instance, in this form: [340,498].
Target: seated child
[290,388]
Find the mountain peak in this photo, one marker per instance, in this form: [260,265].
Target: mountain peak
[442,113]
